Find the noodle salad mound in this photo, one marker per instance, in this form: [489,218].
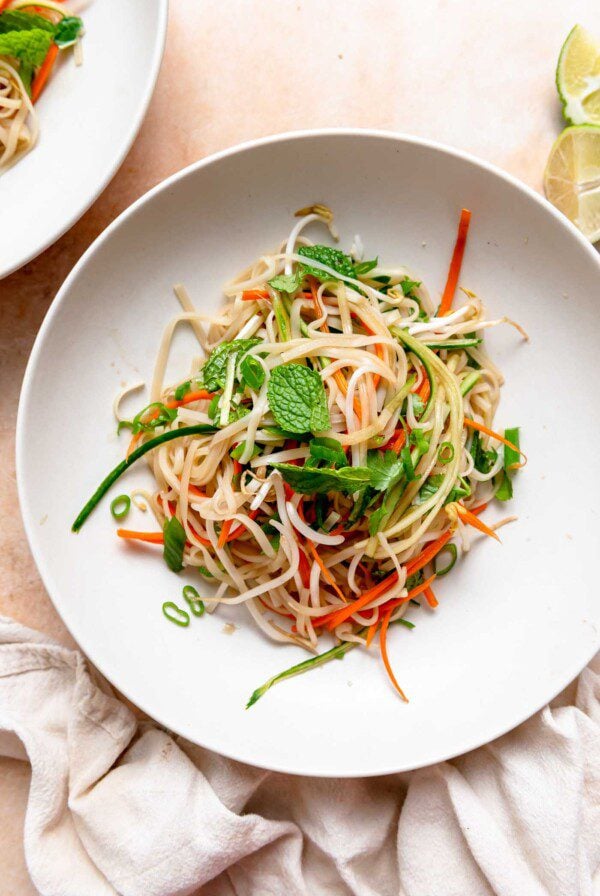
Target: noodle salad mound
[331,453]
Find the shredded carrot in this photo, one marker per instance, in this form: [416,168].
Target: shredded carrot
[150,537]
[371,632]
[472,424]
[235,533]
[326,573]
[456,263]
[427,555]
[384,654]
[398,443]
[470,518]
[424,390]
[338,616]
[430,597]
[224,533]
[198,493]
[414,592]
[199,395]
[288,491]
[39,82]
[4,4]
[252,295]
[304,568]
[275,610]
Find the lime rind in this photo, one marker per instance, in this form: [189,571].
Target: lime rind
[572,177]
[577,108]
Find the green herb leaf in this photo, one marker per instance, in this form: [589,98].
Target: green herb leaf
[409,470]
[252,372]
[310,480]
[333,258]
[163,417]
[363,267]
[407,285]
[297,399]
[461,490]
[329,450]
[215,369]
[483,460]
[376,519]
[30,47]
[237,452]
[67,31]
[287,282]
[385,468]
[174,544]
[418,439]
[321,510]
[15,20]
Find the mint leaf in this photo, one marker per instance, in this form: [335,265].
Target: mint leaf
[363,267]
[14,20]
[30,47]
[385,469]
[310,480]
[67,31]
[329,450]
[287,282]
[215,369]
[174,534]
[335,259]
[297,399]
[252,372]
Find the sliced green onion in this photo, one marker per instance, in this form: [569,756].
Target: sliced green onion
[446,452]
[453,551]
[175,614]
[193,600]
[504,491]
[198,429]
[120,507]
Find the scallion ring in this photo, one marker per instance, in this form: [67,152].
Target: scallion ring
[452,550]
[193,600]
[120,507]
[175,614]
[446,452]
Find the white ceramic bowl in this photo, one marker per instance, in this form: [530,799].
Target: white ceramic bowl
[89,117]
[516,621]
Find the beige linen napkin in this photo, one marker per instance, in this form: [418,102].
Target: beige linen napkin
[120,807]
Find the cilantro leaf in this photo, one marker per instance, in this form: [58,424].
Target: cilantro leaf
[313,480]
[385,468]
[287,282]
[67,31]
[15,20]
[335,259]
[174,534]
[460,490]
[30,47]
[215,369]
[329,450]
[376,519]
[297,399]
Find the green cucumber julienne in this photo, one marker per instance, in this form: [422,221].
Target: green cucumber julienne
[198,429]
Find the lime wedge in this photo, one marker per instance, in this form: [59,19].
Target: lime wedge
[572,177]
[578,77]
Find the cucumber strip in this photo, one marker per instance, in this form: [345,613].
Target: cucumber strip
[337,652]
[198,429]
[422,352]
[454,343]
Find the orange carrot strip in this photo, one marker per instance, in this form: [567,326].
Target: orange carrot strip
[384,654]
[456,263]
[39,82]
[371,632]
[275,610]
[470,518]
[326,573]
[224,533]
[338,616]
[472,424]
[198,493]
[427,555]
[424,389]
[199,395]
[304,568]
[398,601]
[398,442]
[252,295]
[235,533]
[430,597]
[150,537]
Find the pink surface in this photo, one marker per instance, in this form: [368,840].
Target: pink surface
[477,76]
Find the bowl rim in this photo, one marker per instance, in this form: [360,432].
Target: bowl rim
[126,143]
[569,673]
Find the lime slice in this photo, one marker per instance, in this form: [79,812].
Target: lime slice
[572,177]
[578,77]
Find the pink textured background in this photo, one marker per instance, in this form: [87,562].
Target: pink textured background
[479,76]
